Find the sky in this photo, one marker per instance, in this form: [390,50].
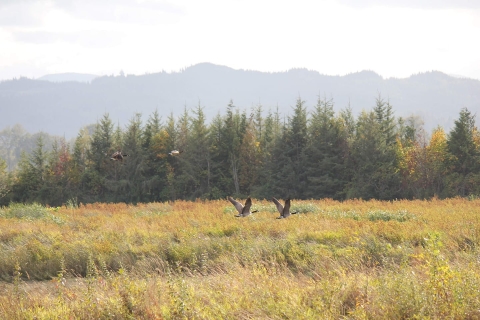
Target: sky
[394,38]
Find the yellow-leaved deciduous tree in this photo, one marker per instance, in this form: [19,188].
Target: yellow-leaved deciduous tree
[476,138]
[407,164]
[437,158]
[160,144]
[413,167]
[423,166]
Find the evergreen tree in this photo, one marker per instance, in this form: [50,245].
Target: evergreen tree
[161,186]
[267,143]
[290,177]
[153,177]
[258,123]
[25,183]
[99,163]
[172,142]
[152,127]
[101,146]
[219,158]
[79,163]
[249,159]
[373,161]
[117,139]
[334,156]
[194,178]
[32,175]
[232,136]
[131,171]
[5,183]
[183,131]
[348,126]
[280,169]
[465,160]
[348,123]
[386,167]
[384,116]
[181,167]
[325,164]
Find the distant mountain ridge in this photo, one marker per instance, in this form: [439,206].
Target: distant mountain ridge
[70,76]
[62,108]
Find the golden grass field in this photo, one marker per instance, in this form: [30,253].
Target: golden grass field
[195,260]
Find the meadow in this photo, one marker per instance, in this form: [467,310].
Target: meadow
[194,260]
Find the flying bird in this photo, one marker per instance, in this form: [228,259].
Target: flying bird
[284,211]
[175,152]
[243,211]
[118,156]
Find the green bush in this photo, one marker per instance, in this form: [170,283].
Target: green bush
[400,216]
[29,212]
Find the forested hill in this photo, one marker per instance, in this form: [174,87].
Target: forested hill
[65,107]
[64,77]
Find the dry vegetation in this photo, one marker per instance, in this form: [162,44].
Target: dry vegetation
[194,260]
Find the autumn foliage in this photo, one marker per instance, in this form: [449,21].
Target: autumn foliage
[355,259]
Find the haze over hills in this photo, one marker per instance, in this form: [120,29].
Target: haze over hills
[70,76]
[62,108]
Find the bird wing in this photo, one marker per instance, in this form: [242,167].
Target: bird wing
[279,205]
[237,204]
[246,208]
[286,209]
[116,155]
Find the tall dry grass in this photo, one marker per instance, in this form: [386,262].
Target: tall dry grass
[195,260]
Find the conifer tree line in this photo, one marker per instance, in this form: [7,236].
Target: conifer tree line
[311,154]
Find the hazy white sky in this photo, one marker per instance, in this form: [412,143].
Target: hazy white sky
[395,38]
